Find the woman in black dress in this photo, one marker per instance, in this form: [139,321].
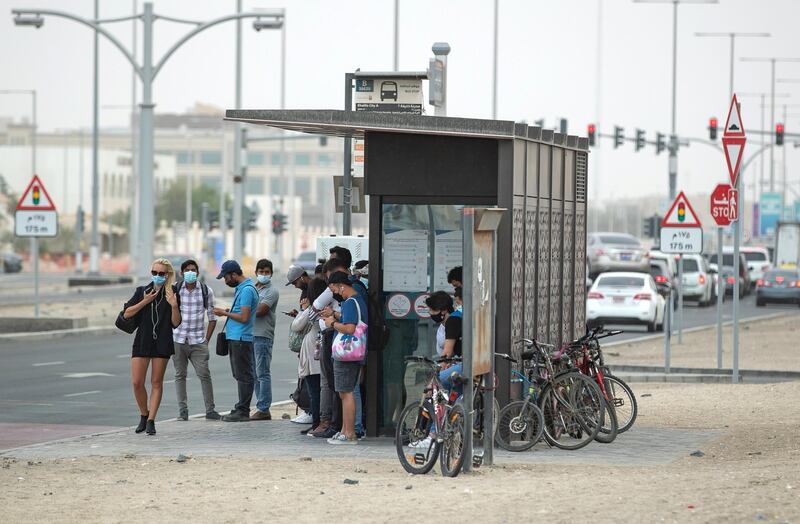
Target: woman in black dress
[156,310]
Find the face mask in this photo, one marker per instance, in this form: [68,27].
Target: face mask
[459,308]
[159,281]
[263,279]
[365,281]
[438,318]
[190,277]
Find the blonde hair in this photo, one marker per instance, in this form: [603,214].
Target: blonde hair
[170,274]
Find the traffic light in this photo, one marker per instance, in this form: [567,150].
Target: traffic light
[591,132]
[712,128]
[250,217]
[639,139]
[778,134]
[213,219]
[539,123]
[619,136]
[323,140]
[661,143]
[651,226]
[81,220]
[278,223]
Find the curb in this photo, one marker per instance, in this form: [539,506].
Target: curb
[36,336]
[4,452]
[701,328]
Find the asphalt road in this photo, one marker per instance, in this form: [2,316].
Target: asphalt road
[694,316]
[86,380]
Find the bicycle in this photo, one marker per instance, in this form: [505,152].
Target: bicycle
[433,427]
[520,423]
[571,403]
[616,391]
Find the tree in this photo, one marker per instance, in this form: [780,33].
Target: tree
[171,205]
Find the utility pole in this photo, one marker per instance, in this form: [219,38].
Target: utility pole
[494,59]
[238,174]
[396,59]
[94,245]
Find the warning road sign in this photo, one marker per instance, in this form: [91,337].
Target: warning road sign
[681,214]
[36,214]
[733,124]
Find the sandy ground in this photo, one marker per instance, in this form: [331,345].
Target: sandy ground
[750,474]
[772,344]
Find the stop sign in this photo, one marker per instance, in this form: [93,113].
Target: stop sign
[724,204]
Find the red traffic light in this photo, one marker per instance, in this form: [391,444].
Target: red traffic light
[779,128]
[712,122]
[592,129]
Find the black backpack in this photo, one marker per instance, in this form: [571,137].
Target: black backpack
[176,288]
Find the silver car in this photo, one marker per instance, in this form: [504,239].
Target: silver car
[616,252]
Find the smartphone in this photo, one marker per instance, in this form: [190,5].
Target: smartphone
[288,313]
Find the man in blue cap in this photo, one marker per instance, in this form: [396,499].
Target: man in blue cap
[239,333]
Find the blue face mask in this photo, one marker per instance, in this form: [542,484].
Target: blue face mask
[459,307]
[365,281]
[263,279]
[190,277]
[159,281]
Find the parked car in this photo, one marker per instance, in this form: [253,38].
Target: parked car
[727,275]
[10,263]
[616,252]
[625,298]
[698,281]
[727,261]
[757,259]
[778,285]
[307,260]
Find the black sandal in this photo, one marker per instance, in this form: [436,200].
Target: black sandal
[151,427]
[142,423]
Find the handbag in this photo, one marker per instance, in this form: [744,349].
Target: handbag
[222,341]
[296,337]
[351,348]
[128,325]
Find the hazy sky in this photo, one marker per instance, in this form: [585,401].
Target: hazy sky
[547,67]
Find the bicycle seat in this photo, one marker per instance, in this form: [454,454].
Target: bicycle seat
[528,355]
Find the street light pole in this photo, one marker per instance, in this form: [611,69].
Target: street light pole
[732,36]
[238,174]
[147,73]
[94,245]
[494,59]
[396,59]
[772,61]
[673,143]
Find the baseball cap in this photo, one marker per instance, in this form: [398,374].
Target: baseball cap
[294,273]
[340,277]
[229,266]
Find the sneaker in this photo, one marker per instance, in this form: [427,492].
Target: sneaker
[341,439]
[361,435]
[425,443]
[183,414]
[303,418]
[213,415]
[261,415]
[328,433]
[235,416]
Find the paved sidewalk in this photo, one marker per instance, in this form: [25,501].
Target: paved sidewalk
[282,439]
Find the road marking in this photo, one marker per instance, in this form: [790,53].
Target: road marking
[81,393]
[56,363]
[124,355]
[87,375]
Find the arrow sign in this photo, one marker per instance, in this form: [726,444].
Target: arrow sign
[734,150]
[681,214]
[733,124]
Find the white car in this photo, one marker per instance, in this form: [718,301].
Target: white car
[625,298]
[757,261]
[698,281]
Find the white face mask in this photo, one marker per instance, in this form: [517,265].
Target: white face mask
[263,279]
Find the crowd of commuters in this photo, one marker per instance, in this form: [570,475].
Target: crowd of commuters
[175,317]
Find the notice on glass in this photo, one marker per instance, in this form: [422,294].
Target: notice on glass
[448,254]
[405,260]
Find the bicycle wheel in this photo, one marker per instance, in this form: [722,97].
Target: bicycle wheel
[478,422]
[609,428]
[572,406]
[520,426]
[452,450]
[621,395]
[416,447]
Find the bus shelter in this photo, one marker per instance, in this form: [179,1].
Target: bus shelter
[420,171]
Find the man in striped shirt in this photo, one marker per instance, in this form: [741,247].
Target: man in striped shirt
[191,337]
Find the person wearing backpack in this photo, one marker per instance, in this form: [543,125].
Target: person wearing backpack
[239,335]
[196,301]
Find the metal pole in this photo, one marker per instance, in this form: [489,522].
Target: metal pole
[489,395]
[204,242]
[133,222]
[783,167]
[680,299]
[94,246]
[347,182]
[733,40]
[668,332]
[278,246]
[598,102]
[34,240]
[736,225]
[772,130]
[396,60]
[146,158]
[673,150]
[466,335]
[494,60]
[720,297]
[238,182]
[79,214]
[761,161]
[110,236]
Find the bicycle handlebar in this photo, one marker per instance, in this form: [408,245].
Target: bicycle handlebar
[440,360]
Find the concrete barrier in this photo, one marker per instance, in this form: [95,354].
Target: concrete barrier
[98,280]
[30,324]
